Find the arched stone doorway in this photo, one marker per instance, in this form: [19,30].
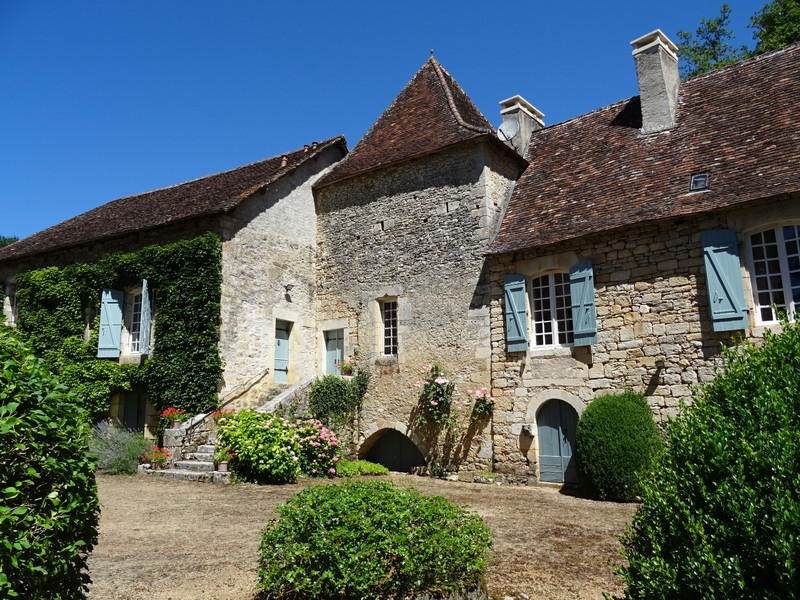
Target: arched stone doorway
[556,422]
[393,450]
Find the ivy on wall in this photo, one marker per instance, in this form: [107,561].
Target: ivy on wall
[57,305]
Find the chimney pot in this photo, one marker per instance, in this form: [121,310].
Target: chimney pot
[313,145]
[656,62]
[284,161]
[527,117]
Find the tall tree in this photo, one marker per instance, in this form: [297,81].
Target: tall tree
[776,25]
[5,241]
[710,46]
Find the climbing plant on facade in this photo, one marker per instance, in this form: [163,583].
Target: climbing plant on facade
[58,313]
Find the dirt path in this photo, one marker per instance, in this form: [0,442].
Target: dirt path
[175,540]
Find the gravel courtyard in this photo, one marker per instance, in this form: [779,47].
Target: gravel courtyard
[175,540]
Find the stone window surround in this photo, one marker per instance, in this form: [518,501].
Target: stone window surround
[329,325]
[389,331]
[534,267]
[559,326]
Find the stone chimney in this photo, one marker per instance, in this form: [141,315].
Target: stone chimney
[520,120]
[657,70]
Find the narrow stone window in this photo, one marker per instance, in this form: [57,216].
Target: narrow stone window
[136,324]
[389,318]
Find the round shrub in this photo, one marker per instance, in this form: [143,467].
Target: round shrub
[720,518]
[615,444]
[49,510]
[369,539]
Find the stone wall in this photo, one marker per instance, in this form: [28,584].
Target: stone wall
[414,233]
[655,333]
[268,256]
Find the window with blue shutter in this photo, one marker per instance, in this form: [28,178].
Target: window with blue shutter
[516,314]
[584,320]
[110,323]
[724,278]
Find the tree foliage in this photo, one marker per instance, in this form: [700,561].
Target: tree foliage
[711,46]
[6,240]
[721,517]
[49,509]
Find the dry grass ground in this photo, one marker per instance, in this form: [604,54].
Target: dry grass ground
[175,540]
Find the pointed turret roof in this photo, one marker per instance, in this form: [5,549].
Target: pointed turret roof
[430,113]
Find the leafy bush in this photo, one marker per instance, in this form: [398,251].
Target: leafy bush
[435,397]
[49,511]
[117,449]
[354,468]
[265,448]
[722,515]
[368,539]
[616,442]
[336,401]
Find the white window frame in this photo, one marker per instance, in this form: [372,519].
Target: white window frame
[389,327]
[135,323]
[765,281]
[559,330]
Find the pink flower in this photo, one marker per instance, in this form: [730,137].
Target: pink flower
[441,380]
[332,471]
[335,459]
[434,403]
[417,384]
[313,470]
[295,459]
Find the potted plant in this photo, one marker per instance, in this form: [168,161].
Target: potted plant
[346,367]
[173,417]
[222,457]
[156,457]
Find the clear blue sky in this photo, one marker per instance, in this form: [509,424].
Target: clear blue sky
[106,98]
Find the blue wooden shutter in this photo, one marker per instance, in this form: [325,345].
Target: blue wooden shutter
[724,278]
[516,314]
[144,333]
[110,323]
[581,290]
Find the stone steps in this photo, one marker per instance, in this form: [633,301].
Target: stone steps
[193,466]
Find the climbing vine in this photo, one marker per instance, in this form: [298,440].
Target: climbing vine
[58,313]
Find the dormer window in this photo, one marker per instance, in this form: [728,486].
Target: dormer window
[699,182]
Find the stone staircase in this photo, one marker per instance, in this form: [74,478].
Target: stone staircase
[192,466]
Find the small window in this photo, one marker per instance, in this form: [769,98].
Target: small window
[551,310]
[699,182]
[775,272]
[389,318]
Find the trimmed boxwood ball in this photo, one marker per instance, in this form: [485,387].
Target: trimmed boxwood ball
[370,539]
[720,518]
[49,510]
[615,444]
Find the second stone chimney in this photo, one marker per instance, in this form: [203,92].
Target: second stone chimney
[520,120]
[657,70]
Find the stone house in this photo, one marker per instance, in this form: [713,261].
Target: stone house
[616,250]
[264,214]
[642,237]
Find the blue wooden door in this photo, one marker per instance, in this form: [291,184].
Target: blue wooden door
[282,331]
[334,351]
[556,426]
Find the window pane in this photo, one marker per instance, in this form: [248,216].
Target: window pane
[389,315]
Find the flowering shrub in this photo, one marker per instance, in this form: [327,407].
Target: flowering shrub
[268,449]
[318,446]
[156,455]
[483,403]
[223,413]
[117,449]
[435,397]
[173,413]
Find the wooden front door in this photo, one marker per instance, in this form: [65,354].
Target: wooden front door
[282,331]
[334,351]
[556,423]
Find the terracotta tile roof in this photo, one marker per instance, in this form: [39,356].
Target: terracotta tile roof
[597,172]
[208,195]
[430,113]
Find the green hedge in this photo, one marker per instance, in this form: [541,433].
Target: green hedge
[616,442]
[721,519]
[49,512]
[368,539]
